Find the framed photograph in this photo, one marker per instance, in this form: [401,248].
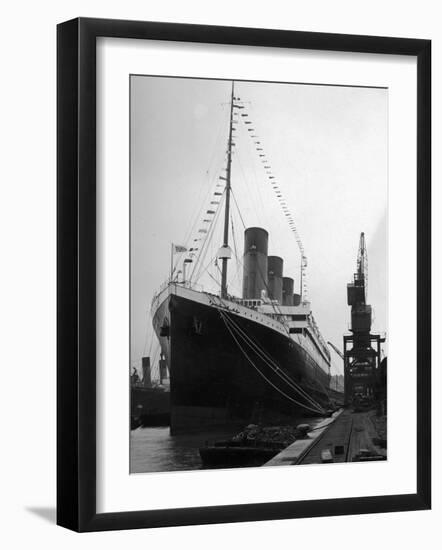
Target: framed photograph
[243,246]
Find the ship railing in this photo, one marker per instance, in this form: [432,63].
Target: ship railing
[183,284]
[192,286]
[319,336]
[250,303]
[157,294]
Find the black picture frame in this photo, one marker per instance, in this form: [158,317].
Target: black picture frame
[76,273]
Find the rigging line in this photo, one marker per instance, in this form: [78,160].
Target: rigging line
[281,373]
[211,226]
[252,157]
[315,409]
[235,249]
[200,210]
[295,231]
[254,184]
[212,178]
[201,256]
[275,367]
[151,341]
[156,369]
[211,276]
[206,270]
[237,207]
[207,243]
[223,122]
[236,277]
[197,270]
[273,303]
[201,204]
[239,265]
[176,262]
[146,337]
[234,239]
[269,174]
[267,355]
[263,375]
[217,267]
[299,246]
[152,364]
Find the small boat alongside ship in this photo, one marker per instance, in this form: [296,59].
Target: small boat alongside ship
[228,454]
[236,360]
[149,403]
[150,406]
[254,446]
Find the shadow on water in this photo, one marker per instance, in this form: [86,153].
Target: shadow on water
[155,450]
[46,513]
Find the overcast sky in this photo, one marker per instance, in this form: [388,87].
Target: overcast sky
[327,148]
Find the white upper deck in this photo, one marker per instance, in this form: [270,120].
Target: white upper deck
[295,322]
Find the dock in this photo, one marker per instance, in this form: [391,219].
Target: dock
[347,436]
[292,453]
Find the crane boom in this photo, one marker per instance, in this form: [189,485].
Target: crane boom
[362,265]
[357,289]
[341,355]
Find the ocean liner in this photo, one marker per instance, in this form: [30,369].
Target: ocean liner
[259,358]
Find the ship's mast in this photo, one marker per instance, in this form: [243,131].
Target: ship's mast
[227,204]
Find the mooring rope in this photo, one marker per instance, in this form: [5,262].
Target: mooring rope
[276,368]
[316,409]
[273,365]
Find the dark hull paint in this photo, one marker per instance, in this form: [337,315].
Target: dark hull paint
[212,383]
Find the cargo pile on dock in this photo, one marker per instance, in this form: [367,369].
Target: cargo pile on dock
[253,446]
[275,435]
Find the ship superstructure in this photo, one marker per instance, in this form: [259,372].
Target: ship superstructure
[255,358]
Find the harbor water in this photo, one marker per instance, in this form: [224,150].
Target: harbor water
[155,450]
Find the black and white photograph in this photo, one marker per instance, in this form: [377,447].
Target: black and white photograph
[220,233]
[258,274]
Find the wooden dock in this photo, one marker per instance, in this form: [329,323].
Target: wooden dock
[292,453]
[348,436]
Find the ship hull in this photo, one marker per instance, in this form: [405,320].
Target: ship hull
[218,379]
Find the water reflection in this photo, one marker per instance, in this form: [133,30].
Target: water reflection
[155,450]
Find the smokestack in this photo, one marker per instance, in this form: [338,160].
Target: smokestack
[287,291]
[274,274]
[296,299]
[256,241]
[163,368]
[145,363]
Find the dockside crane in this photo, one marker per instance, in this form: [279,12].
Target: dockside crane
[362,265]
[361,348]
[357,296]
